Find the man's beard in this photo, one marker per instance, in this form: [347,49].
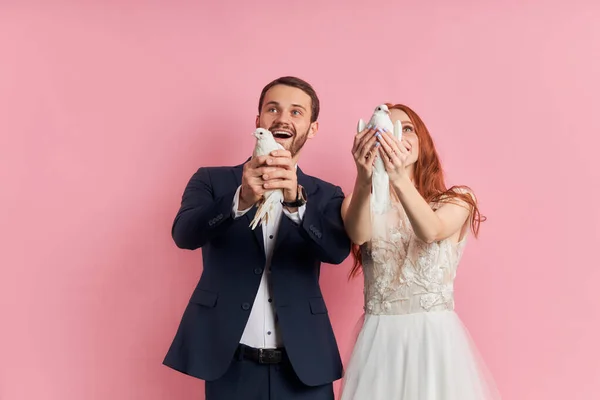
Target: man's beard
[298,143]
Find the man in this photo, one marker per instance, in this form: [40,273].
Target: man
[256,326]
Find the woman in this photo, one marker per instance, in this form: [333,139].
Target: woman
[412,345]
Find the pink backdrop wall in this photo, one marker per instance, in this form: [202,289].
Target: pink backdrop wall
[106,110]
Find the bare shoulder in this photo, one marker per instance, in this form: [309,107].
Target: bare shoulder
[463,192]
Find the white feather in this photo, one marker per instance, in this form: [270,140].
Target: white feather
[380,197]
[265,144]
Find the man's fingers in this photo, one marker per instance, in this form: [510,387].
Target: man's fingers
[281,153]
[278,173]
[254,184]
[279,184]
[258,161]
[259,171]
[284,162]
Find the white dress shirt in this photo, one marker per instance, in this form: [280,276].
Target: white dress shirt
[261,329]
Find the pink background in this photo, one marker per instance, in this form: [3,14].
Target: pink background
[107,109]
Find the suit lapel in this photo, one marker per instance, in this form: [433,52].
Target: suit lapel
[287,224]
[258,232]
[307,182]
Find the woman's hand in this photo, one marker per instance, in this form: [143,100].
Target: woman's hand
[395,154]
[365,152]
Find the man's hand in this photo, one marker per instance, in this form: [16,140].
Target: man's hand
[252,181]
[282,176]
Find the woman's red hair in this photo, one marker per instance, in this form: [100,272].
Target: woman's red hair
[429,180]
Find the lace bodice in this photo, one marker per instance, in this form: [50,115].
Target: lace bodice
[404,274]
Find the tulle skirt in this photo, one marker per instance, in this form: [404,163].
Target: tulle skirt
[421,356]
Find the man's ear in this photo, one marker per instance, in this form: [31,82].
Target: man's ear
[257,120]
[314,128]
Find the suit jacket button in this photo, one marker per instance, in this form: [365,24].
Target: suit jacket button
[246,306]
[258,271]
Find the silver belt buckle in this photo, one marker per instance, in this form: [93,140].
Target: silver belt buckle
[261,356]
[267,357]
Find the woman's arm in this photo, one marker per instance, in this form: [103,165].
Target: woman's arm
[430,226]
[356,213]
[356,210]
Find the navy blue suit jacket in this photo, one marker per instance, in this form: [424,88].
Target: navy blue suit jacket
[234,257]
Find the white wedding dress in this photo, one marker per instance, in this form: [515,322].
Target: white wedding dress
[412,345]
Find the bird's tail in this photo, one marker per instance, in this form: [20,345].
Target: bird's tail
[266,207]
[380,199]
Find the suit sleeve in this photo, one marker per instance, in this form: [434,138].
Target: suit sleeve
[201,216]
[323,228]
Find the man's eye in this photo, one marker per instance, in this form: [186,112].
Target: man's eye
[296,112]
[272,110]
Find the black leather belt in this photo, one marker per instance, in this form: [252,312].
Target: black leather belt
[261,356]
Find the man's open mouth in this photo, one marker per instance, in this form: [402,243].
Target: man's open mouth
[279,134]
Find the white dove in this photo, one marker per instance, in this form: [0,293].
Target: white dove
[265,144]
[380,196]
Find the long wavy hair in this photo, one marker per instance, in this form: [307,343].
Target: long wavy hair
[429,181]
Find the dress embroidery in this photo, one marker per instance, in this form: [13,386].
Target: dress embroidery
[404,274]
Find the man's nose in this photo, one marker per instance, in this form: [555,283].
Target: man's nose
[282,117]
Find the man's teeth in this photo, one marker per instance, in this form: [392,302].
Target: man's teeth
[281,134]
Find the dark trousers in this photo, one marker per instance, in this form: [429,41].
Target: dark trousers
[247,379]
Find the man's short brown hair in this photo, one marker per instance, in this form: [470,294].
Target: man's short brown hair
[297,83]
